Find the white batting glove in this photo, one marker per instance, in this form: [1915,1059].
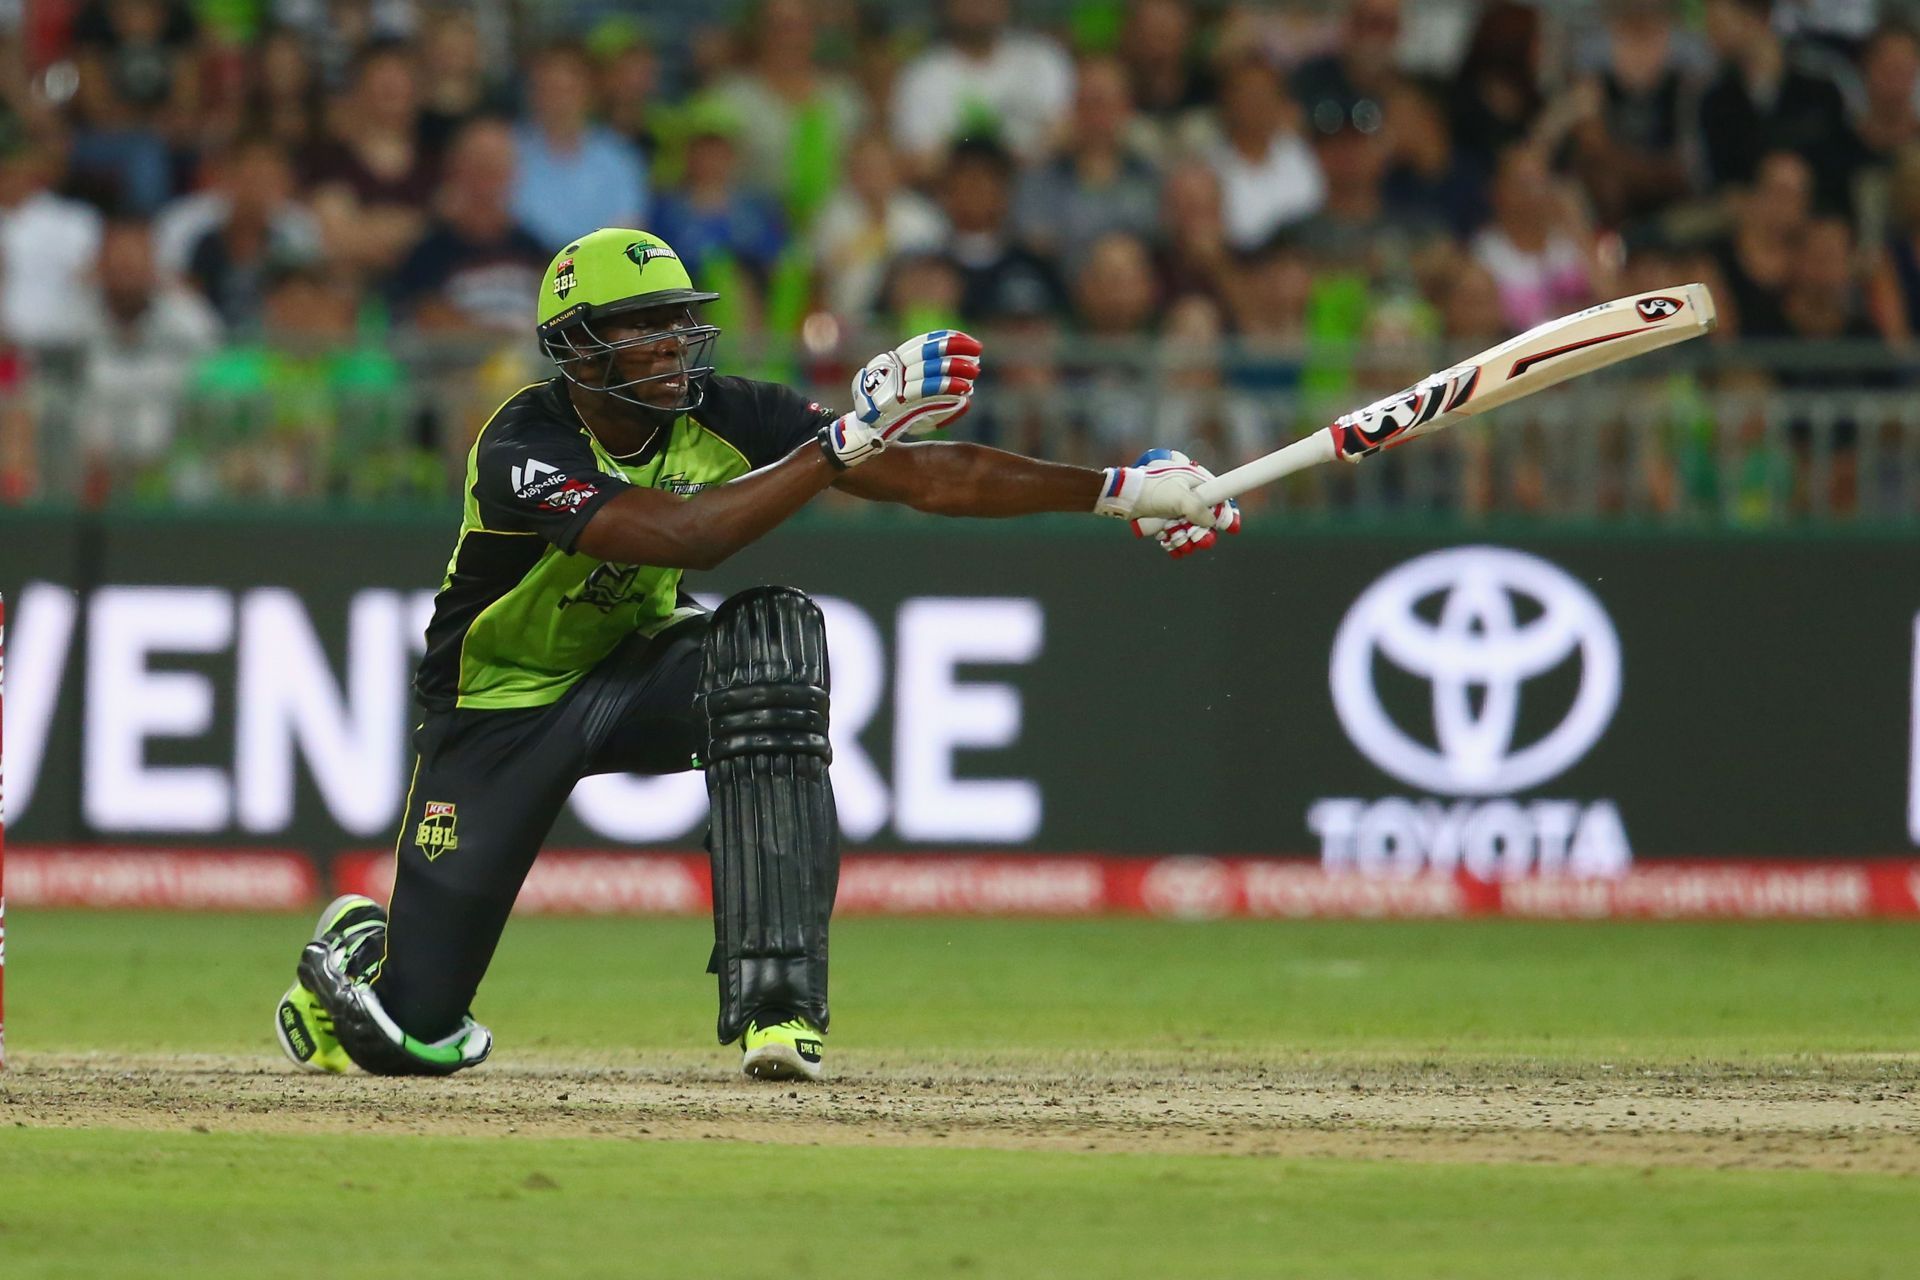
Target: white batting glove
[918,387]
[1182,535]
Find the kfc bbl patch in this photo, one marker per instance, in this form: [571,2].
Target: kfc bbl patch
[642,254]
[569,496]
[436,834]
[563,279]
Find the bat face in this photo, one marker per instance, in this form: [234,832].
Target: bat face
[1542,356]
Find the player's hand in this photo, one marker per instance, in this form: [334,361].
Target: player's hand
[1156,494]
[918,387]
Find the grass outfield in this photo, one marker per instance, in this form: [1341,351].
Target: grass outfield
[1015,1098]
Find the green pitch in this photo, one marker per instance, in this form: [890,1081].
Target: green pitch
[220,1191]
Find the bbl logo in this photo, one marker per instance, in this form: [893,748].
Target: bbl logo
[563,279]
[436,834]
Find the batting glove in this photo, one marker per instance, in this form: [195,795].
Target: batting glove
[918,387]
[1156,495]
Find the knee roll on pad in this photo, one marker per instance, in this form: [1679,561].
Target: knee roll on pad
[371,1038]
[775,838]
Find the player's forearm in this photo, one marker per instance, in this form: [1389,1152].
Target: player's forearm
[951,478]
[643,526]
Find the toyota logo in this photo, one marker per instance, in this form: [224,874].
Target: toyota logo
[1478,654]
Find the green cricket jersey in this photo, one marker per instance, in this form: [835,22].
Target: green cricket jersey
[521,615]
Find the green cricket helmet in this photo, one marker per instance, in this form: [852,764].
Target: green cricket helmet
[636,278]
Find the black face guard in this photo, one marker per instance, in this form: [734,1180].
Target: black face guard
[586,359]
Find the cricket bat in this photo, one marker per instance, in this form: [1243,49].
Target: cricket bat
[1543,356]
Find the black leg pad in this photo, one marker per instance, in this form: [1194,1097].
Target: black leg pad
[774,838]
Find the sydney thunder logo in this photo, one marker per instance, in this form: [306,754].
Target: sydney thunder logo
[606,588]
[642,254]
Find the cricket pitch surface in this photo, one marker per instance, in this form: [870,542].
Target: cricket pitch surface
[1857,1113]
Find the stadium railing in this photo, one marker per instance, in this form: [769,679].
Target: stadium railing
[1751,434]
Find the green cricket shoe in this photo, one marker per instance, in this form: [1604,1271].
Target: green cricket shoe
[301,1023]
[790,1050]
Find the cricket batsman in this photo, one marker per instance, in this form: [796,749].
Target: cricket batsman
[562,645]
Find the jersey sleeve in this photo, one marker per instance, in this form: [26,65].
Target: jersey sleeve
[782,421]
[549,485]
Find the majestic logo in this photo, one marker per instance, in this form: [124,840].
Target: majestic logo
[524,478]
[563,278]
[1652,309]
[1386,422]
[606,588]
[1476,623]
[641,254]
[437,832]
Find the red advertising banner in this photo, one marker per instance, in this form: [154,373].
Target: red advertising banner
[1184,888]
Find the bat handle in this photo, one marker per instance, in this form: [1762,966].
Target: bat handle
[1308,451]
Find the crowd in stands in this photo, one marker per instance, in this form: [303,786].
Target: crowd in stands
[243,240]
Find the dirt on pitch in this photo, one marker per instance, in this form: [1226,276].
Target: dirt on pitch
[1853,1113]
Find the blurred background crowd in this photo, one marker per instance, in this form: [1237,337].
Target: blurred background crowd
[287,250]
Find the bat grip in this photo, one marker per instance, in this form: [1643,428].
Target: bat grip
[1308,451]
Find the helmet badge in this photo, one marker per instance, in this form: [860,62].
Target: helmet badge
[641,254]
[563,279]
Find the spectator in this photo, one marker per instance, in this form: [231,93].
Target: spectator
[1171,86]
[285,101]
[372,182]
[1895,291]
[135,97]
[1472,315]
[713,219]
[923,292]
[1354,231]
[1193,242]
[47,244]
[628,74]
[982,80]
[1888,126]
[1113,296]
[1823,303]
[1472,318]
[453,79]
[1269,301]
[140,336]
[1755,260]
[1536,246]
[1496,93]
[1889,121]
[1761,101]
[335,31]
[1427,175]
[871,220]
[796,118]
[1268,176]
[476,269]
[1355,80]
[1198,414]
[573,175]
[1625,124]
[974,191]
[1096,183]
[304,411]
[257,224]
